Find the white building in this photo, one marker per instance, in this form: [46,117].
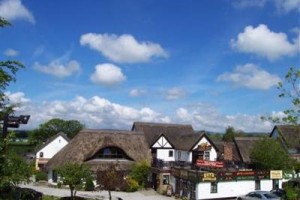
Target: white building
[49,149]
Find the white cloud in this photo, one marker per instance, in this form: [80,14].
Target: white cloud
[288,5]
[175,93]
[14,9]
[107,74]
[122,49]
[56,68]
[97,112]
[16,98]
[11,52]
[250,76]
[249,3]
[263,42]
[136,92]
[206,117]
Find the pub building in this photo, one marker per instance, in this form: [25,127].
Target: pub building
[189,164]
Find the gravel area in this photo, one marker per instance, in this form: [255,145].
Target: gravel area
[139,195]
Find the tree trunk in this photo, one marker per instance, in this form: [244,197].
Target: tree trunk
[72,192]
[109,194]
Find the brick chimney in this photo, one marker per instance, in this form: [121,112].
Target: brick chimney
[228,154]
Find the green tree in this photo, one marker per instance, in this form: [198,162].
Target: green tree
[75,176]
[268,154]
[289,89]
[229,134]
[54,126]
[140,172]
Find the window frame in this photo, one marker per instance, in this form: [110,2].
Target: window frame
[214,187]
[171,154]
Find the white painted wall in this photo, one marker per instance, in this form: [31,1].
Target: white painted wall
[213,152]
[53,147]
[231,189]
[163,154]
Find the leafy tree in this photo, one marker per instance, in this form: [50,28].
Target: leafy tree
[109,179]
[54,126]
[229,134]
[289,89]
[75,176]
[140,172]
[268,154]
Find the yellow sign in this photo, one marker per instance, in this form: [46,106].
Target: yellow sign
[276,174]
[209,177]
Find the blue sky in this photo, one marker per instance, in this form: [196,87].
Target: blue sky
[209,63]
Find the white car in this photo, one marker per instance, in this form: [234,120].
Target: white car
[255,195]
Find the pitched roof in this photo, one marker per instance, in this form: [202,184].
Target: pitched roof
[88,142]
[244,146]
[290,135]
[235,154]
[51,139]
[173,132]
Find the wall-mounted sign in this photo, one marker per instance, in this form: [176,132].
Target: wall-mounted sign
[207,163]
[184,173]
[204,147]
[226,176]
[209,177]
[276,174]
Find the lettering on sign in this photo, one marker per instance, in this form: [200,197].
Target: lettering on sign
[276,174]
[209,177]
[207,163]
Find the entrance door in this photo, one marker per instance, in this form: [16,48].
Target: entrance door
[154,181]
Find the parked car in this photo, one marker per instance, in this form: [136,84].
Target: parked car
[255,195]
[279,192]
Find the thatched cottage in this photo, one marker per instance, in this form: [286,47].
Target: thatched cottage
[100,149]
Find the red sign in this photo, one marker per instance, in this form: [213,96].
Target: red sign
[207,163]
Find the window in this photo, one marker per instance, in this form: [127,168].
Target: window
[257,184]
[275,183]
[213,187]
[171,153]
[206,155]
[111,153]
[179,155]
[41,154]
[166,179]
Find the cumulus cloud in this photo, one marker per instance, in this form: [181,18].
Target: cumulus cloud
[95,112]
[250,76]
[14,10]
[107,74]
[58,69]
[122,49]
[203,116]
[17,98]
[263,42]
[136,92]
[175,93]
[11,52]
[288,5]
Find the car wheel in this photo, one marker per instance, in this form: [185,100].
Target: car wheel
[239,198]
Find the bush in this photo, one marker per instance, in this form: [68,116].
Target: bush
[41,176]
[132,184]
[89,185]
[140,172]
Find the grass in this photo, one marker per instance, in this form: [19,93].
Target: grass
[47,197]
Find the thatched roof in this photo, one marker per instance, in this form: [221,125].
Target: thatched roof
[49,140]
[173,132]
[290,134]
[244,147]
[88,142]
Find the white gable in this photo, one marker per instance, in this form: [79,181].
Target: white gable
[162,142]
[204,142]
[53,147]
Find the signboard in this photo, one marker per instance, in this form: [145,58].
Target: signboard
[204,147]
[193,176]
[276,174]
[226,176]
[207,163]
[209,177]
[184,174]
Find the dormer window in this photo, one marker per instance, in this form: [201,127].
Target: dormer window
[111,153]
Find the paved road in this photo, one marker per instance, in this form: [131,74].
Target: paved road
[140,195]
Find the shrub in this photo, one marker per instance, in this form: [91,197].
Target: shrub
[41,176]
[140,172]
[132,184]
[89,185]
[291,193]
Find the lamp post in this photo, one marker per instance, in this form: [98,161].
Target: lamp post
[13,122]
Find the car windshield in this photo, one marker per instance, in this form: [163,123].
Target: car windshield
[270,196]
